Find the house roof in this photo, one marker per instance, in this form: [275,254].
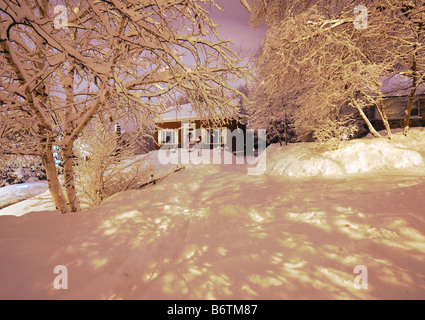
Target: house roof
[184,112]
[398,86]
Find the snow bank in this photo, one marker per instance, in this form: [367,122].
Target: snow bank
[357,156]
[19,192]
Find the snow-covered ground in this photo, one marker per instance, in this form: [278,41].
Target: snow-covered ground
[216,232]
[19,192]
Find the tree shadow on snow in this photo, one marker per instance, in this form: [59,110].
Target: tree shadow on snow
[214,233]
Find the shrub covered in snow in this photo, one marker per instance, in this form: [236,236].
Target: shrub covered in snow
[333,132]
[19,169]
[106,164]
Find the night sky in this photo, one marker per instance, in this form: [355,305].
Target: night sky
[234,25]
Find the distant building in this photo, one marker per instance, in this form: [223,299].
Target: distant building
[185,128]
[396,90]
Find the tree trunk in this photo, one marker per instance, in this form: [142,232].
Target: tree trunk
[412,94]
[70,190]
[53,180]
[381,111]
[367,121]
[279,133]
[68,154]
[286,129]
[406,123]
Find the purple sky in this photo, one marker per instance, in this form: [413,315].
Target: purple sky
[234,25]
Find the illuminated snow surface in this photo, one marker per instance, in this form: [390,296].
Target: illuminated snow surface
[215,232]
[12,194]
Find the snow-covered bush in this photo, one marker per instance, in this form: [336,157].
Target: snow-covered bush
[106,164]
[353,157]
[18,169]
[331,132]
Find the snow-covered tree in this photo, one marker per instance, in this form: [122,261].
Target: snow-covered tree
[326,55]
[405,27]
[271,111]
[63,62]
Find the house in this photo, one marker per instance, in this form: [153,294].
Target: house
[183,128]
[396,91]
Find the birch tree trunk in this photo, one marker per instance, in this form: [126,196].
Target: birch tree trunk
[383,115]
[412,94]
[55,187]
[369,125]
[70,190]
[68,154]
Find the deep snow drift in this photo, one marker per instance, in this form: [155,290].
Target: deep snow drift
[215,232]
[356,156]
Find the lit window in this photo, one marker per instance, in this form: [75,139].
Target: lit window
[168,137]
[214,136]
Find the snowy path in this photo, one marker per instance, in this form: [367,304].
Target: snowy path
[213,232]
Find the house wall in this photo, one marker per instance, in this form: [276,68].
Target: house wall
[175,125]
[394,108]
[200,131]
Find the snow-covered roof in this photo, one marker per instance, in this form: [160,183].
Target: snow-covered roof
[181,113]
[184,112]
[398,86]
